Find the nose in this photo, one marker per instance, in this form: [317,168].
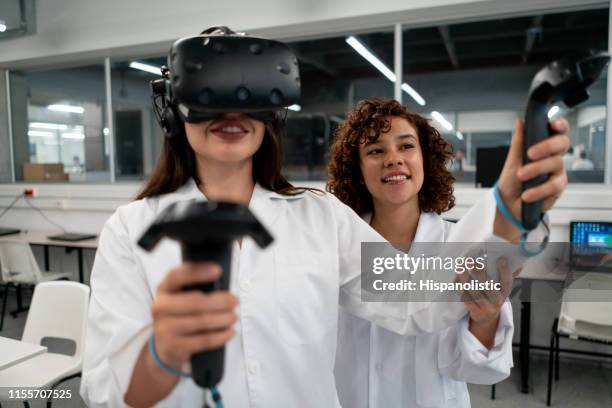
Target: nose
[232,115]
[393,159]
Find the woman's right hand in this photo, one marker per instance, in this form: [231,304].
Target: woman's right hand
[187,322]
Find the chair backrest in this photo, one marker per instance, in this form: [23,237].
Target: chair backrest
[18,262]
[58,310]
[586,310]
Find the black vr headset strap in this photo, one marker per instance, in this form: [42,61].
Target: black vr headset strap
[221,30]
[164,109]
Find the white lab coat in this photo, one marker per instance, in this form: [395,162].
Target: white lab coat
[378,368]
[284,349]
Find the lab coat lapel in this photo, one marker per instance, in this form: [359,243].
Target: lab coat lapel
[430,228]
[267,205]
[189,191]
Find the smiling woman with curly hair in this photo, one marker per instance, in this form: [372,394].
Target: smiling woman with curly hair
[364,124]
[391,166]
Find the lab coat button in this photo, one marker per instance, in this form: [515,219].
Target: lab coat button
[252,367]
[246,285]
[379,367]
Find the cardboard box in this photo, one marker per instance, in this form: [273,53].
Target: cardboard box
[44,172]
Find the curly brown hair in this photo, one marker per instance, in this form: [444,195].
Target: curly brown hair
[365,123]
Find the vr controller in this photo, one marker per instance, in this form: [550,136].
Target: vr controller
[564,80]
[222,71]
[206,231]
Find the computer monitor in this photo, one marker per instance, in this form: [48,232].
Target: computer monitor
[591,245]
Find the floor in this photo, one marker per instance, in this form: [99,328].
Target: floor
[583,384]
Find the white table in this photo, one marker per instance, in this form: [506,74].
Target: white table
[40,238]
[15,351]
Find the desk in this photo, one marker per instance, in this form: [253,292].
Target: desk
[14,352]
[40,238]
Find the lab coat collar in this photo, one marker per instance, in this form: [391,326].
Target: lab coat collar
[430,227]
[189,191]
[264,203]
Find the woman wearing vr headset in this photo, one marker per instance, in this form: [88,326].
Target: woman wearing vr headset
[391,166]
[280,337]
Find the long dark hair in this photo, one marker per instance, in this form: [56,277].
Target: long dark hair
[177,164]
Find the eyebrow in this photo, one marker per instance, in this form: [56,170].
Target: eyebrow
[398,137]
[406,136]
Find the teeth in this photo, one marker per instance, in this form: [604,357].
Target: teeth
[231,129]
[396,178]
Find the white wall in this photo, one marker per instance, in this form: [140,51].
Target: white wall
[85,207]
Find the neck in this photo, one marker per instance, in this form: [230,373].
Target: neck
[232,182]
[396,223]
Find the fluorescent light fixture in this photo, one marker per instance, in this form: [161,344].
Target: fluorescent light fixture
[152,69]
[553,111]
[66,108]
[379,65]
[459,135]
[51,126]
[414,94]
[372,59]
[295,107]
[39,133]
[78,136]
[2,28]
[441,120]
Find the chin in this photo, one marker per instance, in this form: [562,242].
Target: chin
[227,155]
[401,198]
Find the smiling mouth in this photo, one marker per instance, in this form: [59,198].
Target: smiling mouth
[396,179]
[229,130]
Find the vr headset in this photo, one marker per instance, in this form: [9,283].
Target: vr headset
[222,71]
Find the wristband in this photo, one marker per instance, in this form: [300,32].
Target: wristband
[524,232]
[160,363]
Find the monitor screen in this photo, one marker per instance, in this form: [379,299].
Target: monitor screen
[591,245]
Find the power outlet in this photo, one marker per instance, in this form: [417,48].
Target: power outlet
[29,192]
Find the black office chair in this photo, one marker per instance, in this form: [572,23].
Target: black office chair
[585,321]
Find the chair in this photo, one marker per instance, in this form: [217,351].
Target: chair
[582,320]
[18,267]
[58,311]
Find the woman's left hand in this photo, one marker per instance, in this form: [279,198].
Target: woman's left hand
[547,159]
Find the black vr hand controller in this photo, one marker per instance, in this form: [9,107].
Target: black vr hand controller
[564,80]
[206,231]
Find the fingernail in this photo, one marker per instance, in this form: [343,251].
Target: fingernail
[210,269]
[503,261]
[532,153]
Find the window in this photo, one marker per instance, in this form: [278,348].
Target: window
[138,137]
[470,78]
[335,73]
[476,77]
[58,122]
